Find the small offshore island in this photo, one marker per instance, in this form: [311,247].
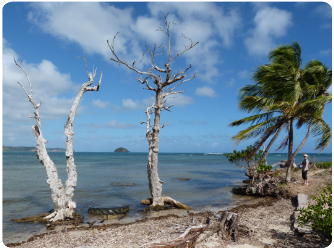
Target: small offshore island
[121,150]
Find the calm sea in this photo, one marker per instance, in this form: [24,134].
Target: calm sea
[26,193]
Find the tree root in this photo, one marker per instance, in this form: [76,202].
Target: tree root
[37,218]
[167,201]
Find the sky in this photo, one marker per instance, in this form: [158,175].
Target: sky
[234,38]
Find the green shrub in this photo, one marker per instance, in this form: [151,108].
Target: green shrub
[263,167]
[320,213]
[237,157]
[278,173]
[324,165]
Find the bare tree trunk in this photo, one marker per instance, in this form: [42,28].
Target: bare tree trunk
[162,78]
[265,153]
[289,162]
[62,198]
[303,142]
[154,182]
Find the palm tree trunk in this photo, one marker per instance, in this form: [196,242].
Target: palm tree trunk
[303,142]
[265,153]
[288,164]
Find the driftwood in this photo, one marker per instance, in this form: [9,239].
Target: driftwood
[166,200]
[36,218]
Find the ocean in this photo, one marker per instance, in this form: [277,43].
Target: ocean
[100,176]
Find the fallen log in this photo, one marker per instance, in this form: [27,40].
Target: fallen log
[167,200]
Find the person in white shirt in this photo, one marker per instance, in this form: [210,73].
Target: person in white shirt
[305,169]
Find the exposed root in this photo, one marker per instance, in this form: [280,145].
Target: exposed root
[168,201]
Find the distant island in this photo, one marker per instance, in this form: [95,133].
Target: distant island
[31,149]
[121,150]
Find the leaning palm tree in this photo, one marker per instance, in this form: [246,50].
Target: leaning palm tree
[285,94]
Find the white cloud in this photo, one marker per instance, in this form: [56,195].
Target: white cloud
[131,105]
[100,104]
[205,91]
[179,100]
[47,83]
[95,22]
[302,2]
[48,86]
[270,23]
[326,52]
[215,144]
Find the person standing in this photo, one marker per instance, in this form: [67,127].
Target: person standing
[305,169]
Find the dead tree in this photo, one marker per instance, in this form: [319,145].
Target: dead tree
[162,78]
[61,196]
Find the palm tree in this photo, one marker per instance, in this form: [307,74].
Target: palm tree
[285,93]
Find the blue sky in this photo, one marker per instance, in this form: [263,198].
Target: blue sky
[234,38]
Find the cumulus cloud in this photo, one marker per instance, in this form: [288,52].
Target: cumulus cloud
[100,104]
[270,23]
[215,144]
[207,23]
[205,91]
[48,86]
[131,105]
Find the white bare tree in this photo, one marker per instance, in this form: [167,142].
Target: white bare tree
[162,79]
[61,197]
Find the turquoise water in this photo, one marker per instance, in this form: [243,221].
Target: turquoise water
[26,193]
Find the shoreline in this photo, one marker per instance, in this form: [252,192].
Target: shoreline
[155,216]
[268,221]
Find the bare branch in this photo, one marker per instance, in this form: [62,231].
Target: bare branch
[83,58]
[19,65]
[186,47]
[125,63]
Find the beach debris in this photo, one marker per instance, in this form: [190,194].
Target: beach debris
[185,240]
[167,200]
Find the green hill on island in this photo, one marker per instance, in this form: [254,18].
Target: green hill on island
[121,150]
[31,149]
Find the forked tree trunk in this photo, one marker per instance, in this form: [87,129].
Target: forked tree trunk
[290,156]
[61,197]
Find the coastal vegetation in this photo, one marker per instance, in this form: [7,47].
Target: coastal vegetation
[319,214]
[286,95]
[245,155]
[61,196]
[163,78]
